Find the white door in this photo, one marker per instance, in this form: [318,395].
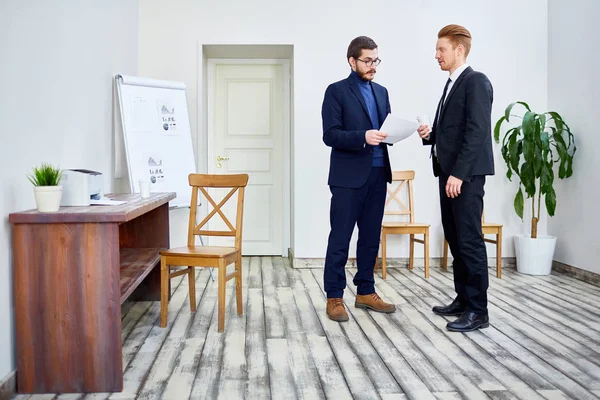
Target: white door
[246,131]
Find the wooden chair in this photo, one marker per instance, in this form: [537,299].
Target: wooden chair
[412,228]
[487,228]
[207,256]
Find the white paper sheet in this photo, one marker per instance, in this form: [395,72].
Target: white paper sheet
[104,201]
[398,128]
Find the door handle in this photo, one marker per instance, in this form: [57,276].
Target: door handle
[219,159]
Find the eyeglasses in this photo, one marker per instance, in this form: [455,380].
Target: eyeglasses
[369,63]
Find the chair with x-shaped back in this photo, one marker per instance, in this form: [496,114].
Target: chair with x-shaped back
[404,179]
[208,256]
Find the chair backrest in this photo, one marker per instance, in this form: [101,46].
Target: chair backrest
[405,180]
[202,182]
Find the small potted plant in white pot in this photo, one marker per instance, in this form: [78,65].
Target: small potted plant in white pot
[47,191]
[531,149]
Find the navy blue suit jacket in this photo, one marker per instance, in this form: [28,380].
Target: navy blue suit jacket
[463,132]
[345,122]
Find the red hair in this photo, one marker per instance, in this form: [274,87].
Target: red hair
[457,35]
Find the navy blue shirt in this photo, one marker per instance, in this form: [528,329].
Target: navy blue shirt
[367,91]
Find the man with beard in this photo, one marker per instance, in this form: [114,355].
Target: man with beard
[353,111]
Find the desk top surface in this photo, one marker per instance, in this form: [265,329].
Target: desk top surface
[134,207]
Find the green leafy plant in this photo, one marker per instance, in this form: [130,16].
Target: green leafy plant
[531,149]
[45,175]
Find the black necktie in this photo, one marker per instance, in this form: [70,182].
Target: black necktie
[438,114]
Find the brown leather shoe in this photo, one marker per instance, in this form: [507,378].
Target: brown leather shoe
[336,310]
[373,302]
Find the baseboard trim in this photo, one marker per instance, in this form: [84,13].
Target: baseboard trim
[434,262]
[578,273]
[8,386]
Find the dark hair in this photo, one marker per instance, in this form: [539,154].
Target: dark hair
[358,45]
[457,35]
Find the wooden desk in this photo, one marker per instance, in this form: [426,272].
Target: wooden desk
[72,271]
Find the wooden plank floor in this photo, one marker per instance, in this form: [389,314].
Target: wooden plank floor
[543,342]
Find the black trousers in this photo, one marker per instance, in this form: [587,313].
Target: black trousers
[461,219]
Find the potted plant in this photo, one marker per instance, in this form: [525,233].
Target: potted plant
[47,192]
[531,150]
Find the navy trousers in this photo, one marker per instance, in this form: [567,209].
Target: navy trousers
[363,206]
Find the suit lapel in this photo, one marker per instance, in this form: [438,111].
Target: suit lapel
[381,104]
[356,90]
[455,86]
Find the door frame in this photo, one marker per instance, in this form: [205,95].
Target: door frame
[211,64]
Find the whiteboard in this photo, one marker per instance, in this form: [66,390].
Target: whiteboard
[156,136]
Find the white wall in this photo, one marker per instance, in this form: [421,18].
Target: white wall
[509,46]
[573,83]
[58,59]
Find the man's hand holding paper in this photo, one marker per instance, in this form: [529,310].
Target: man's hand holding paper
[397,128]
[374,137]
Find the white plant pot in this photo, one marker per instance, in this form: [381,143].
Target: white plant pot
[47,198]
[534,256]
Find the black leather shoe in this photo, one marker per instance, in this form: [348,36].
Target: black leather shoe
[469,322]
[454,308]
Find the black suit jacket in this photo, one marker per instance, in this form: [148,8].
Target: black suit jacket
[345,122]
[462,132]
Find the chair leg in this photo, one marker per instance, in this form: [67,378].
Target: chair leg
[192,284]
[376,267]
[221,295]
[426,244]
[238,285]
[383,256]
[411,257]
[445,256]
[499,254]
[164,291]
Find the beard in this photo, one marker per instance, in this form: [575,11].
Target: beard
[368,75]
[446,65]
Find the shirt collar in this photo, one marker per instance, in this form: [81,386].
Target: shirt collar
[359,80]
[458,71]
